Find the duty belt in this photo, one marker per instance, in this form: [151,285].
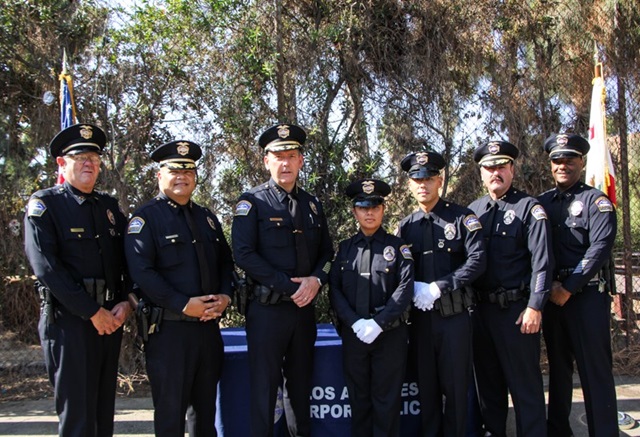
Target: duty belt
[502,297]
[175,317]
[565,273]
[267,296]
[97,289]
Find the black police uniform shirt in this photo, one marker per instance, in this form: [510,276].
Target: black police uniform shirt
[583,223]
[264,243]
[518,246]
[162,258]
[61,244]
[458,249]
[391,279]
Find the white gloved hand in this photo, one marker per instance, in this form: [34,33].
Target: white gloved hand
[370,332]
[358,325]
[433,293]
[420,295]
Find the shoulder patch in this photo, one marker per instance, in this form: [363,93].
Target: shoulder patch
[36,208]
[135,225]
[242,208]
[604,204]
[538,212]
[472,223]
[406,252]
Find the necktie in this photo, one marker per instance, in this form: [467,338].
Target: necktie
[205,277]
[303,267]
[106,248]
[427,249]
[363,283]
[489,223]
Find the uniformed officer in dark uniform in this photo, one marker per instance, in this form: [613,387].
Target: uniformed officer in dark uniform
[371,286]
[281,240]
[447,247]
[180,259]
[74,242]
[577,316]
[511,295]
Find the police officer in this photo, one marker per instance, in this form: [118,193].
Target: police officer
[179,257]
[281,240]
[576,318]
[74,242]
[371,286]
[448,250]
[511,295]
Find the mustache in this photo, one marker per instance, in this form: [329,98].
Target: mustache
[497,178]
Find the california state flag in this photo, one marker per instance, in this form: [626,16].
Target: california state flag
[599,172]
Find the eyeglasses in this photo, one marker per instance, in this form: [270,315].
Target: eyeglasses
[84,157]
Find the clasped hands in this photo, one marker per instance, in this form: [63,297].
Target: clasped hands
[367,330]
[207,307]
[425,295]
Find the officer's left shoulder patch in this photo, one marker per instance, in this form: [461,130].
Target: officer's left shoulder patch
[604,204]
[36,208]
[538,212]
[472,223]
[406,252]
[243,207]
[135,225]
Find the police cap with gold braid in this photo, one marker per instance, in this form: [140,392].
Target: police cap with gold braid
[495,153]
[177,155]
[282,137]
[78,138]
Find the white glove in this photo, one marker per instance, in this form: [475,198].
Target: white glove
[420,295]
[419,291]
[358,325]
[370,332]
[425,295]
[433,293]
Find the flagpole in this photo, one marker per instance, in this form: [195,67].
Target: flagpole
[67,104]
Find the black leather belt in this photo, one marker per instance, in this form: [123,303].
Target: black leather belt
[175,317]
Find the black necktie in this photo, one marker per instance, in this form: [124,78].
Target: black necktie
[303,267]
[106,248]
[363,283]
[205,279]
[427,249]
[489,224]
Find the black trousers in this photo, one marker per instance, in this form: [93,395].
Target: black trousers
[184,363]
[280,342]
[83,368]
[581,329]
[374,374]
[442,348]
[507,361]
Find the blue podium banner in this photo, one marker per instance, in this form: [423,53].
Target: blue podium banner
[330,409]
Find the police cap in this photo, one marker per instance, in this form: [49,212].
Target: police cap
[282,137]
[368,192]
[495,153]
[78,138]
[177,155]
[423,165]
[566,146]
